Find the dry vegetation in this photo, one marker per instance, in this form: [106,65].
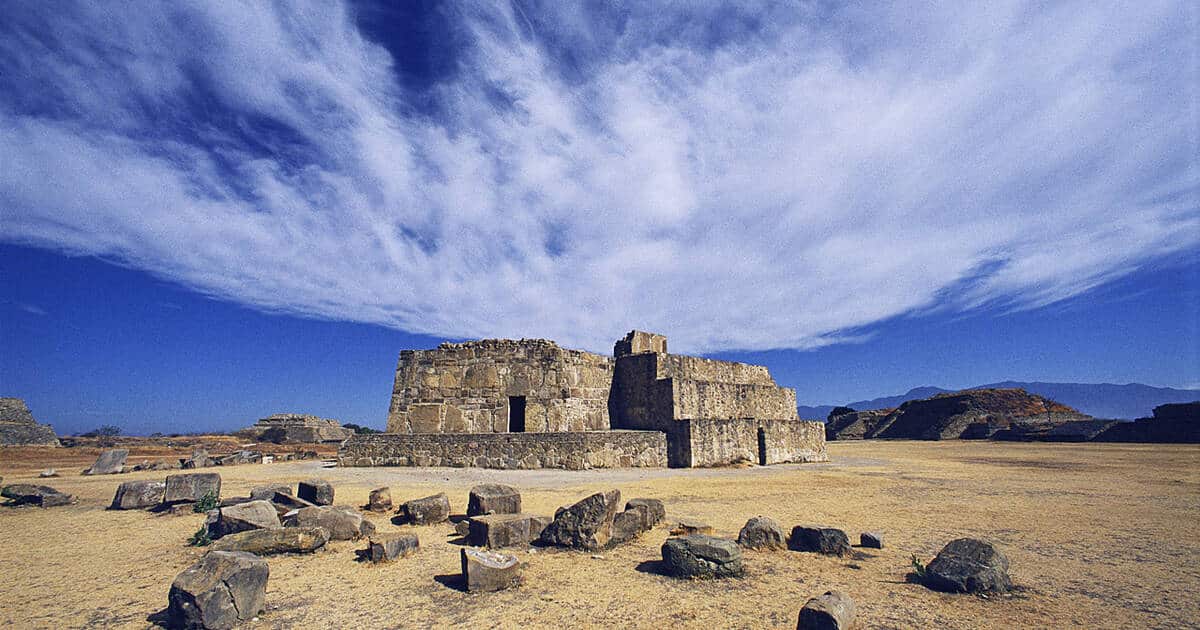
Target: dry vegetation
[1099,535]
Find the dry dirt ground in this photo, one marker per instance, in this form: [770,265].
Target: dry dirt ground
[1099,536]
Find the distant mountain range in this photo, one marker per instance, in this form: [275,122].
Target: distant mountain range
[1100,400]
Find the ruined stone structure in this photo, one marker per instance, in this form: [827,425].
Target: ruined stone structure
[556,407]
[290,428]
[18,427]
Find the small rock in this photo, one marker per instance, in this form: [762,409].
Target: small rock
[221,590]
[48,473]
[239,458]
[136,495]
[380,500]
[689,528]
[586,525]
[815,538]
[485,571]
[199,459]
[463,527]
[266,542]
[700,556]
[832,611]
[762,532]
[110,462]
[243,517]
[391,547]
[191,487]
[969,565]
[655,512]
[341,523]
[316,491]
[871,540]
[493,498]
[28,494]
[427,510]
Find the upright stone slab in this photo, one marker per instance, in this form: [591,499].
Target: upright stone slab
[223,589]
[191,487]
[586,525]
[389,547]
[969,565]
[493,498]
[427,510]
[110,462]
[485,571]
[832,611]
[316,491]
[700,556]
[380,500]
[818,539]
[137,495]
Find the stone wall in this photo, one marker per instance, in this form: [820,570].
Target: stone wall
[295,428]
[570,450]
[19,428]
[721,442]
[466,388]
[711,399]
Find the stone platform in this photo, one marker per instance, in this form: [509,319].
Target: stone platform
[575,450]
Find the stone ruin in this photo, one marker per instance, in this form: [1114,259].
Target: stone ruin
[295,428]
[18,428]
[501,403]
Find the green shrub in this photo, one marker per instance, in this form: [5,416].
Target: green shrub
[210,501]
[918,568]
[200,538]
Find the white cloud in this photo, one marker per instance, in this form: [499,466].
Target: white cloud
[734,179]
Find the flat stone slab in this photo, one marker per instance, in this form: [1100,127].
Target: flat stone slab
[485,571]
[244,517]
[391,547]
[341,523]
[29,494]
[268,542]
[493,498]
[505,530]
[110,462]
[700,556]
[138,495]
[832,611]
[191,487]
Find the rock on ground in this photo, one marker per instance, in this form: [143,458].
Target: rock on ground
[655,512]
[341,523]
[505,530]
[285,503]
[700,556]
[969,565]
[762,532]
[426,510]
[493,498]
[267,492]
[690,527]
[316,491]
[832,611]
[586,525]
[29,494]
[266,542]
[463,527]
[629,524]
[221,590]
[136,495]
[392,546]
[827,540]
[244,517]
[380,500]
[191,487]
[110,462]
[199,459]
[485,571]
[871,540]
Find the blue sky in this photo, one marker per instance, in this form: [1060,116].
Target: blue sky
[214,212]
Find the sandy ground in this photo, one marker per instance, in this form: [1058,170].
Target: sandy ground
[1099,536]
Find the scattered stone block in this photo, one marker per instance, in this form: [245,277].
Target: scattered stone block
[390,547]
[267,542]
[243,517]
[199,459]
[285,503]
[191,487]
[655,512]
[505,530]
[110,462]
[818,539]
[427,510]
[221,590]
[969,565]
[690,528]
[493,498]
[380,500]
[341,523]
[762,532]
[157,464]
[239,458]
[485,571]
[832,611]
[700,556]
[48,473]
[316,491]
[29,494]
[871,540]
[137,495]
[267,493]
[629,524]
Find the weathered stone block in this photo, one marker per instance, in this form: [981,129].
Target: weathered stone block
[427,510]
[390,547]
[28,494]
[587,524]
[485,571]
[872,540]
[222,590]
[110,462]
[969,565]
[762,532]
[136,495]
[191,487]
[316,491]
[832,611]
[505,530]
[267,493]
[702,557]
[493,498]
[341,523]
[243,517]
[380,500]
[818,539]
[266,542]
[654,510]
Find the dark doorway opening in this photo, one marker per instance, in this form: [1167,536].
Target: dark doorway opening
[762,446]
[516,414]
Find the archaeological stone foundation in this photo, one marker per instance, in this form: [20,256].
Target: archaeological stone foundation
[501,403]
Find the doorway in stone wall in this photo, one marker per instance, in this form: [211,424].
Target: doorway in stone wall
[762,446]
[516,414]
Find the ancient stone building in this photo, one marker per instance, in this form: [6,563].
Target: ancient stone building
[289,428]
[18,427]
[531,404]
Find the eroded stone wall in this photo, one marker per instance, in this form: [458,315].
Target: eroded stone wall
[722,442]
[466,388]
[19,428]
[572,450]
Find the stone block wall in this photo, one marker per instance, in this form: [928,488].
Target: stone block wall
[721,442]
[569,450]
[466,388]
[712,399]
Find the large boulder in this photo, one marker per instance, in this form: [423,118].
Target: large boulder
[380,500]
[136,495]
[762,532]
[654,510]
[29,494]
[266,542]
[485,571]
[392,546]
[818,539]
[969,565]
[493,498]
[191,487]
[700,556]
[832,611]
[220,591]
[341,523]
[110,462]
[245,516]
[586,525]
[505,530]
[316,491]
[427,510]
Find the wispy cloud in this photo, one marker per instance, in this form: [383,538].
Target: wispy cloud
[744,178]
